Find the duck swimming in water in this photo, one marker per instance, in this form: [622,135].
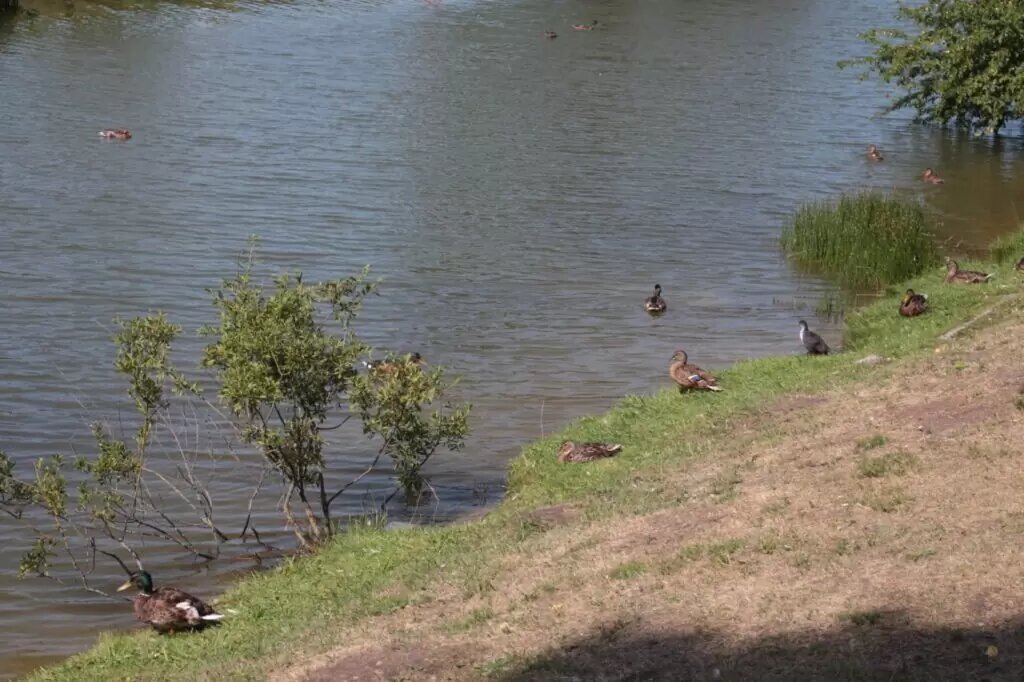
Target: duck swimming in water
[913,304]
[550,35]
[954,275]
[931,178]
[168,609]
[874,154]
[390,368]
[585,27]
[689,376]
[586,452]
[655,304]
[814,344]
[116,134]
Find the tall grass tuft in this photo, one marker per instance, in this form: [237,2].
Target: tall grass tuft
[861,240]
[1009,247]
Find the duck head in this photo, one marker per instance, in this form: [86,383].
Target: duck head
[565,450]
[872,149]
[928,173]
[142,581]
[657,290]
[679,356]
[803,325]
[907,296]
[951,265]
[416,358]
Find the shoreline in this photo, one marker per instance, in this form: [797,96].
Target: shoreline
[309,603]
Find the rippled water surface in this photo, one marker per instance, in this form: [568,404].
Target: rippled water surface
[518,196]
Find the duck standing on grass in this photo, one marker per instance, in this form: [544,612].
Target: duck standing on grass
[913,304]
[814,344]
[931,178]
[586,452]
[690,376]
[655,304]
[954,275]
[168,609]
[874,154]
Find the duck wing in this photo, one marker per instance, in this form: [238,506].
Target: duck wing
[176,607]
[814,344]
[692,377]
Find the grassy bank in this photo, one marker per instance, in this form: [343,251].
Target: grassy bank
[314,603]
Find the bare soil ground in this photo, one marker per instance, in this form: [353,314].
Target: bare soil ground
[869,534]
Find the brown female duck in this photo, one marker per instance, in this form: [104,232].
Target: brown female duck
[1020,265]
[168,609]
[390,368]
[550,35]
[955,275]
[931,178]
[874,154]
[586,452]
[655,304]
[585,27]
[116,134]
[913,304]
[690,376]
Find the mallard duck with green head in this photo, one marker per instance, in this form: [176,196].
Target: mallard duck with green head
[913,304]
[655,304]
[586,452]
[954,275]
[690,377]
[168,609]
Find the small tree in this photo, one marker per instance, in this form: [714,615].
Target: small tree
[285,359]
[283,373]
[963,63]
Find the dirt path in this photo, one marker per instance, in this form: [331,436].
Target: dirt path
[867,535]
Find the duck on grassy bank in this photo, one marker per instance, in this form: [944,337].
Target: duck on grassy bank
[586,452]
[814,344]
[689,376]
[931,178]
[168,609]
[655,304]
[913,304]
[954,275]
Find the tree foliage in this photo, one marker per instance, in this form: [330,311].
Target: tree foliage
[963,62]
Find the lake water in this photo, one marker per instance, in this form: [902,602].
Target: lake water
[518,196]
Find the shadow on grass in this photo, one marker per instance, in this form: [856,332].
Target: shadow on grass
[868,645]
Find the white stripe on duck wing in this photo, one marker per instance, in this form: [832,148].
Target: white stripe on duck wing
[690,377]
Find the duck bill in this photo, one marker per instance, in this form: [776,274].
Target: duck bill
[126,586]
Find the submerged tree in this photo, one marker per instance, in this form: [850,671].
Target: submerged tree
[962,63]
[284,361]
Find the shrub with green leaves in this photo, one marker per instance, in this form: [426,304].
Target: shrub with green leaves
[284,359]
[962,61]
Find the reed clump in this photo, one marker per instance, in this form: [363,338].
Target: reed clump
[1009,247]
[862,240]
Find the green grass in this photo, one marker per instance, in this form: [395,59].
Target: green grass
[309,603]
[628,570]
[1008,249]
[893,464]
[862,618]
[886,500]
[862,240]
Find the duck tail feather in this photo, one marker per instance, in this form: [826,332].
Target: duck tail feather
[612,449]
[213,616]
[714,388]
